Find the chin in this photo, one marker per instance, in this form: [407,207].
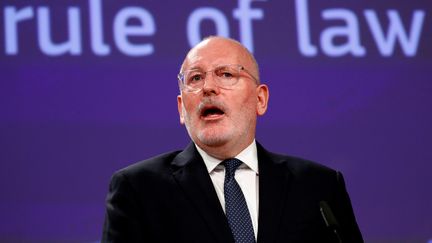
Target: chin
[214,138]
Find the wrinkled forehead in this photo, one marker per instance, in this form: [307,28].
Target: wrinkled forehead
[215,52]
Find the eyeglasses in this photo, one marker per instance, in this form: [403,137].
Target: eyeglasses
[226,76]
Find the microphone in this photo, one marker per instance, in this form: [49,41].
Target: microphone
[330,219]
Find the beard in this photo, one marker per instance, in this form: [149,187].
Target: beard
[232,129]
[211,134]
[215,136]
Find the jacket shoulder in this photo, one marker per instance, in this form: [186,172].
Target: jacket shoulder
[156,166]
[298,163]
[300,167]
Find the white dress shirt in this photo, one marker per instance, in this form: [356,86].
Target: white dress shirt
[246,176]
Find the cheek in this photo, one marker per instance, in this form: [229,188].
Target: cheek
[189,105]
[244,109]
[248,100]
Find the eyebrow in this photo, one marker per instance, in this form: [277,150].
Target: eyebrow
[195,68]
[192,68]
[198,67]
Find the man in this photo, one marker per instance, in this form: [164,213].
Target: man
[225,187]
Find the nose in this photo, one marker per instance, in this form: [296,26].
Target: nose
[210,85]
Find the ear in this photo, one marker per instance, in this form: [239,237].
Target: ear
[180,108]
[263,97]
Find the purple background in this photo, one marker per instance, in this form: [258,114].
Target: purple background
[68,122]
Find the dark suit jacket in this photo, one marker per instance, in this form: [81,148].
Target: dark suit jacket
[170,198]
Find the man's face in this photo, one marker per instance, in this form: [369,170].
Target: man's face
[222,120]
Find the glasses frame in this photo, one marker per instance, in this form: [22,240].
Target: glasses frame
[181,77]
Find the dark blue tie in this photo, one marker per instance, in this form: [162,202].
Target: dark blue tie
[236,208]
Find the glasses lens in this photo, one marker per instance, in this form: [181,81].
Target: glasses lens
[194,79]
[225,76]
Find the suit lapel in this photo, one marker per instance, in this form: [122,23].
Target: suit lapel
[191,174]
[273,185]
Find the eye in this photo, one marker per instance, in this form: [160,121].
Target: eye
[225,73]
[194,77]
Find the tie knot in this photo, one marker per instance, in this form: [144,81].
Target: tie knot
[231,165]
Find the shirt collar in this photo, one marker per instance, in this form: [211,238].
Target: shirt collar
[248,156]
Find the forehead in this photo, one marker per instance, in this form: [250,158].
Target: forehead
[215,52]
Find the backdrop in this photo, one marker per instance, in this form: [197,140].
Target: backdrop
[89,86]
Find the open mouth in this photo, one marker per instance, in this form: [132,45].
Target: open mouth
[211,112]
